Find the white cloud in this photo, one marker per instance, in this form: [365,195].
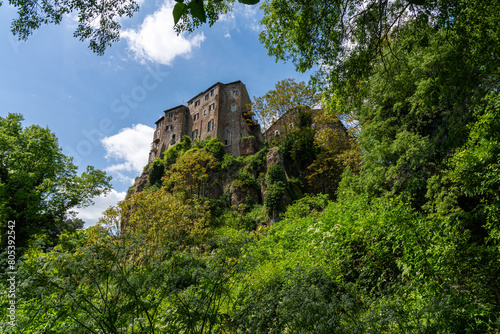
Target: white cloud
[227,35]
[255,27]
[242,16]
[250,11]
[228,18]
[130,147]
[156,39]
[91,214]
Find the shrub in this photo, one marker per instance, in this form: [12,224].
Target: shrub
[257,161]
[299,149]
[229,163]
[244,179]
[171,155]
[275,173]
[215,147]
[306,205]
[156,172]
[274,194]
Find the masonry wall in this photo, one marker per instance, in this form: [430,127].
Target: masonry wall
[229,131]
[178,120]
[203,110]
[283,126]
[169,130]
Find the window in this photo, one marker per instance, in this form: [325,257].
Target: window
[158,134]
[211,107]
[194,135]
[233,107]
[171,115]
[291,126]
[173,138]
[235,92]
[211,125]
[169,127]
[276,133]
[212,92]
[197,103]
[206,97]
[227,139]
[205,112]
[195,117]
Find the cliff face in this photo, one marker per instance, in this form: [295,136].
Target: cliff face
[274,177]
[226,180]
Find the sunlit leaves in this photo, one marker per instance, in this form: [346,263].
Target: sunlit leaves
[190,173]
[160,217]
[39,184]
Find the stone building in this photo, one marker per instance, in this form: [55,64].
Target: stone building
[219,112]
[289,121]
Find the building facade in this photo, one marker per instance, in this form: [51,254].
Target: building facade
[219,112]
[289,122]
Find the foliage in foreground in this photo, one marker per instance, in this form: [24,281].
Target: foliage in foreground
[356,266]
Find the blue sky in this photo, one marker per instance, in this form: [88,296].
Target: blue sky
[103,108]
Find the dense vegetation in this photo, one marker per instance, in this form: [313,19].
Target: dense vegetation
[171,260]
[400,235]
[39,185]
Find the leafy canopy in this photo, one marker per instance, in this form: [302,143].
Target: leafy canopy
[98,21]
[39,184]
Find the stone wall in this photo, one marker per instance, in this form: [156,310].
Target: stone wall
[203,109]
[169,130]
[290,121]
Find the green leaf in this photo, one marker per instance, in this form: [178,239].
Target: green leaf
[249,2]
[197,10]
[179,10]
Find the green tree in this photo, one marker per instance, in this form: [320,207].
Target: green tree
[98,21]
[156,172]
[215,147]
[191,172]
[160,217]
[286,95]
[414,109]
[39,184]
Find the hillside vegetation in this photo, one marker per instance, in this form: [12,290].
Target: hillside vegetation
[171,260]
[393,228]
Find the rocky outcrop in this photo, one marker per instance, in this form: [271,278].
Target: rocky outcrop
[274,157]
[239,195]
[139,184]
[248,146]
